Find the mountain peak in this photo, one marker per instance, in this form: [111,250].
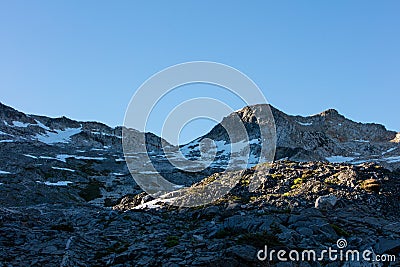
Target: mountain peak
[330,112]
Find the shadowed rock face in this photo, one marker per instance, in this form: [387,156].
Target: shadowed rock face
[298,206]
[327,136]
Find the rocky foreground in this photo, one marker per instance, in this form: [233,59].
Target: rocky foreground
[298,206]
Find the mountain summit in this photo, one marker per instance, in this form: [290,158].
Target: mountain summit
[327,136]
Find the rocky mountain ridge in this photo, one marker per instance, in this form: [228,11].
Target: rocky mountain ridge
[327,136]
[68,199]
[39,153]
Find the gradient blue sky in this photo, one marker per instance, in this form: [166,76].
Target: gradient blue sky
[85,59]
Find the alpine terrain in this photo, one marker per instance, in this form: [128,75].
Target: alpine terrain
[67,197]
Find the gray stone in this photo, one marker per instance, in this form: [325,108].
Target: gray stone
[392,227]
[385,245]
[244,252]
[326,202]
[203,260]
[328,231]
[304,231]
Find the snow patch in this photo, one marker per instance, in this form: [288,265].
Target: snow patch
[392,159]
[153,204]
[224,149]
[389,150]
[59,183]
[361,141]
[339,159]
[63,169]
[3,133]
[6,141]
[4,172]
[89,158]
[59,136]
[20,124]
[136,157]
[46,157]
[63,157]
[360,161]
[305,123]
[148,172]
[41,125]
[30,156]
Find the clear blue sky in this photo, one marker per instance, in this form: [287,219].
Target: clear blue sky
[84,59]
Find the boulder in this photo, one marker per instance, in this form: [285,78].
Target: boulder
[326,202]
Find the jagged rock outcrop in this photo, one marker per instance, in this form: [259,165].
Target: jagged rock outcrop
[327,136]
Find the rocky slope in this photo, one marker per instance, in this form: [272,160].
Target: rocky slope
[327,136]
[40,156]
[299,206]
[68,199]
[40,153]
